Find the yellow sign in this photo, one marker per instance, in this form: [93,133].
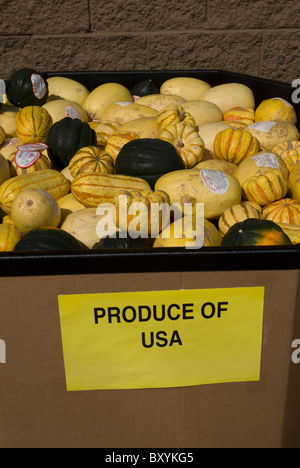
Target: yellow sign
[158,339]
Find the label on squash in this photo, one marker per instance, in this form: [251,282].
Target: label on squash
[72,112]
[264,127]
[215,181]
[38,86]
[284,101]
[266,160]
[33,147]
[25,159]
[160,339]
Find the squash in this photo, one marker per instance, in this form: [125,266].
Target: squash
[236,214]
[116,142]
[26,87]
[240,115]
[209,131]
[277,110]
[9,237]
[271,133]
[104,130]
[28,159]
[121,240]
[144,88]
[203,112]
[145,213]
[60,87]
[265,188]
[292,231]
[185,86]
[68,204]
[94,188]
[144,127]
[217,165]
[2,135]
[33,124]
[66,137]
[123,112]
[159,101]
[8,121]
[229,95]
[217,190]
[104,95]
[62,108]
[172,115]
[254,232]
[294,182]
[91,159]
[235,145]
[148,158]
[189,234]
[4,169]
[259,164]
[289,151]
[82,224]
[48,238]
[187,142]
[285,211]
[49,180]
[33,208]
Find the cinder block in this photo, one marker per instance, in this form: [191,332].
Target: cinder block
[15,52]
[37,17]
[156,15]
[256,14]
[237,52]
[280,58]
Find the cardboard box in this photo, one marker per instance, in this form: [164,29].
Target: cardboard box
[36,410]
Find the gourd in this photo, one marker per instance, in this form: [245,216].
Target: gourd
[172,115]
[120,240]
[116,142]
[62,108]
[238,213]
[91,159]
[235,145]
[48,238]
[289,151]
[103,96]
[104,130]
[49,180]
[33,208]
[144,88]
[33,124]
[266,188]
[61,87]
[292,231]
[148,159]
[145,212]
[255,232]
[185,86]
[260,164]
[285,211]
[9,237]
[186,141]
[240,115]
[66,137]
[92,189]
[27,87]
[28,159]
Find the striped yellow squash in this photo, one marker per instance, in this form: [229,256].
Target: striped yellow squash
[238,213]
[285,211]
[266,188]
[33,124]
[91,189]
[53,182]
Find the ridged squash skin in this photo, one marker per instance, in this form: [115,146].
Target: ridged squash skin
[260,164]
[33,124]
[61,87]
[103,96]
[9,237]
[217,190]
[235,145]
[236,214]
[289,151]
[91,159]
[172,115]
[285,211]
[49,180]
[265,188]
[292,231]
[93,189]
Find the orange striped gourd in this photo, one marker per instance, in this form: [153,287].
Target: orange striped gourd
[235,145]
[91,159]
[285,211]
[91,189]
[33,124]
[172,115]
[53,182]
[266,188]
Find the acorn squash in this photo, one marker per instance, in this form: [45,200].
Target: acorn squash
[47,238]
[254,232]
[148,158]
[121,240]
[66,137]
[27,87]
[144,88]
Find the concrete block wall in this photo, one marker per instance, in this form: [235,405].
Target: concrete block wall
[257,37]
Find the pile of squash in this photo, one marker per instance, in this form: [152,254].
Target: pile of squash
[74,163]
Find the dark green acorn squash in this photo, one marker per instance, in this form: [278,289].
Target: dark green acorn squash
[27,87]
[47,238]
[66,137]
[144,88]
[254,232]
[118,242]
[148,158]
